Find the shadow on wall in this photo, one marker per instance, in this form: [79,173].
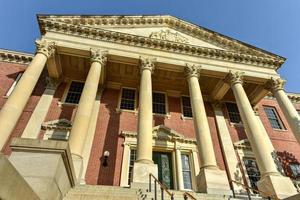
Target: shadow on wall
[107,173]
[286,159]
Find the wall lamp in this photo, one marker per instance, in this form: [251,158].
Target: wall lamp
[106,155]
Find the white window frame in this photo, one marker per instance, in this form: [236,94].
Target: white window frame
[66,91]
[181,105]
[167,114]
[120,99]
[283,127]
[13,86]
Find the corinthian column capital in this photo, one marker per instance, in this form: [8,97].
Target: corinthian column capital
[234,77]
[275,84]
[147,64]
[192,70]
[98,56]
[45,47]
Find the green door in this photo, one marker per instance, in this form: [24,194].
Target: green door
[164,164]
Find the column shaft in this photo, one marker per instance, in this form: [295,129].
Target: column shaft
[179,170]
[15,104]
[286,105]
[85,107]
[204,142]
[260,146]
[144,139]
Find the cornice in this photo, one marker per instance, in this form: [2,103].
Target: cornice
[15,57]
[295,98]
[140,41]
[159,21]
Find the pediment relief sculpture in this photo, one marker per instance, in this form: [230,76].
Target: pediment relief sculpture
[170,36]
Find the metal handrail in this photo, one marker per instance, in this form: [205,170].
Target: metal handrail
[270,196]
[162,188]
[187,195]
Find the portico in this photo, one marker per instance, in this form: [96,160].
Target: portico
[211,71]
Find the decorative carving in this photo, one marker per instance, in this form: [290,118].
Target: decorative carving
[59,124]
[98,56]
[52,83]
[147,63]
[234,77]
[168,35]
[275,84]
[45,47]
[192,70]
[244,55]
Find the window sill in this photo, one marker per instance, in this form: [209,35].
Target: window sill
[60,104]
[5,97]
[280,130]
[186,118]
[232,124]
[119,110]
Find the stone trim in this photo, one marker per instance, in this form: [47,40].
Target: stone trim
[163,45]
[295,98]
[15,57]
[158,21]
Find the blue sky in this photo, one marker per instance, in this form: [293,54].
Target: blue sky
[273,25]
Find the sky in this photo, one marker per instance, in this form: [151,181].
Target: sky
[273,25]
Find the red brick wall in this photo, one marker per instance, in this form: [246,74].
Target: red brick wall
[8,74]
[110,124]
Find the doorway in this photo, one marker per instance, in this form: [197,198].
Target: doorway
[165,169]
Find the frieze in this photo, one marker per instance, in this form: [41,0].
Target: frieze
[139,41]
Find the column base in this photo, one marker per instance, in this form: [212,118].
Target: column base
[46,165]
[140,174]
[213,181]
[275,184]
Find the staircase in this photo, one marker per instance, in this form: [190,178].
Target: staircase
[99,192]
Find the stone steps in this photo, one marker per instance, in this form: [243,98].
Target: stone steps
[97,192]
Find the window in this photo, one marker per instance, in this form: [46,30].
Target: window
[131,163]
[298,112]
[252,171]
[273,118]
[233,112]
[74,92]
[295,168]
[12,87]
[186,107]
[186,171]
[159,103]
[127,99]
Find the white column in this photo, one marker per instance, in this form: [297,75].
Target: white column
[15,104]
[271,179]
[39,114]
[180,182]
[212,179]
[90,136]
[83,115]
[145,116]
[289,111]
[144,164]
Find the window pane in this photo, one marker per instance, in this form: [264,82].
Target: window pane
[298,112]
[252,171]
[159,103]
[74,92]
[273,118]
[186,107]
[295,168]
[127,99]
[131,163]
[233,112]
[186,171]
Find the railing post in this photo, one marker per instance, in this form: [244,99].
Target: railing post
[149,182]
[155,190]
[162,193]
[185,197]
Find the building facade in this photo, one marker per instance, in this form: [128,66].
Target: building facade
[131,96]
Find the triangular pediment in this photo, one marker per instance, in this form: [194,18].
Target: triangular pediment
[57,124]
[165,32]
